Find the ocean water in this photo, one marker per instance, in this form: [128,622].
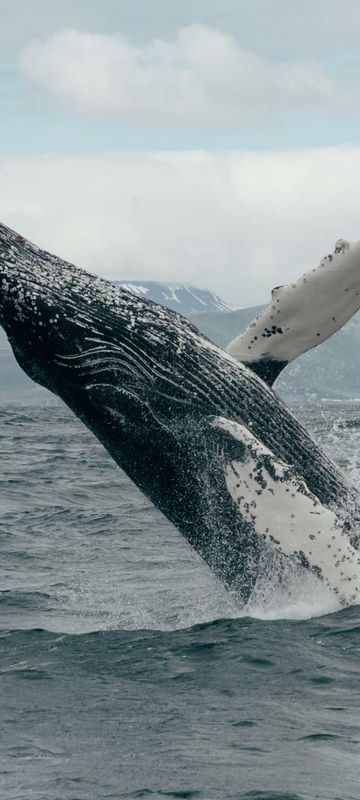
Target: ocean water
[127,671]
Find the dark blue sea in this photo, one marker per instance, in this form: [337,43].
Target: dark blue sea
[128,672]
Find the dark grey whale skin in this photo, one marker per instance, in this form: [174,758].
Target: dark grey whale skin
[147,384]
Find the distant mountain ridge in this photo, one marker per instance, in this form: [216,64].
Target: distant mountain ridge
[181,297]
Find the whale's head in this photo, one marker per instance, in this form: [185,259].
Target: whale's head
[128,368]
[73,332]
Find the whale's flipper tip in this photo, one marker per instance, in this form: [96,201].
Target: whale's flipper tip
[303,314]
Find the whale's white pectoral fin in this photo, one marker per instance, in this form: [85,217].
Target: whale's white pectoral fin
[301,315]
[282,511]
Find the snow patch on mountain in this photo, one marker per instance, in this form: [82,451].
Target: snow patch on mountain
[184,298]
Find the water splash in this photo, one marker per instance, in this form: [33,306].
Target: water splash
[299,594]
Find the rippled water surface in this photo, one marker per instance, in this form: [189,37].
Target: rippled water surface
[128,672]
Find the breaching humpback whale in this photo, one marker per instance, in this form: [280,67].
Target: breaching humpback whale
[202,434]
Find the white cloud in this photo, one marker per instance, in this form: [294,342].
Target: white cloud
[237,222]
[200,77]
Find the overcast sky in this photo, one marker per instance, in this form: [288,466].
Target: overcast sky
[210,142]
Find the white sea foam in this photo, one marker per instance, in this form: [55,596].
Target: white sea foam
[300,595]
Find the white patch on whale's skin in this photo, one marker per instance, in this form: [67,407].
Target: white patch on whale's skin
[282,510]
[303,314]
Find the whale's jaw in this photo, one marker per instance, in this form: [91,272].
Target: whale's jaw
[148,385]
